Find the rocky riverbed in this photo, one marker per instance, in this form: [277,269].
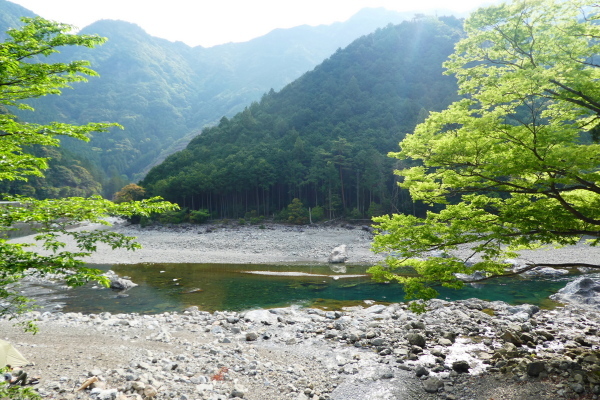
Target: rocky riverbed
[463,350]
[468,349]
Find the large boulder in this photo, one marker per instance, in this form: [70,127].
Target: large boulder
[582,290]
[338,255]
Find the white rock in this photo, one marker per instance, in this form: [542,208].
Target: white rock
[338,255]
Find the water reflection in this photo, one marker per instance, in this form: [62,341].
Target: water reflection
[338,268]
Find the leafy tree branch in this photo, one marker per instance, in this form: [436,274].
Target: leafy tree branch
[510,166]
[24,76]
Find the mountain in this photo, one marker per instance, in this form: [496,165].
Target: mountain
[322,139]
[164,93]
[10,14]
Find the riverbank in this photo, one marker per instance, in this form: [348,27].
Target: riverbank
[369,352]
[235,244]
[275,243]
[230,243]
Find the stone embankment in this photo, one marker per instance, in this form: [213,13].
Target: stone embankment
[468,349]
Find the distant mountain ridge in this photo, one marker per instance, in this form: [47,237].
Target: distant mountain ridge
[321,141]
[165,92]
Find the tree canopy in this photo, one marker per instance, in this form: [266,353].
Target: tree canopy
[24,75]
[512,165]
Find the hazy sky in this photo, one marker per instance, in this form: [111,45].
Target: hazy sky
[211,22]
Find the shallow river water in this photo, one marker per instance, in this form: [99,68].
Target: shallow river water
[214,287]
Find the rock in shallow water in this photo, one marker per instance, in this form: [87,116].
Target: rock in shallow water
[581,291]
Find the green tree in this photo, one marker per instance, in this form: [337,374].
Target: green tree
[25,75]
[297,213]
[131,192]
[509,164]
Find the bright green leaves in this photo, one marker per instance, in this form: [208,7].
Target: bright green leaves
[24,75]
[510,162]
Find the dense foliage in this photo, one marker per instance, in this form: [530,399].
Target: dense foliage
[324,138]
[512,162]
[25,74]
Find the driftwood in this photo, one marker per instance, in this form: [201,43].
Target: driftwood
[87,383]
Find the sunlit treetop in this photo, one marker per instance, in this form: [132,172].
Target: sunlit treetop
[511,165]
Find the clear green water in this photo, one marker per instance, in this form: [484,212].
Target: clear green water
[213,287]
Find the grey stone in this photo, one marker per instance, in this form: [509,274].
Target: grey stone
[109,394]
[261,316]
[511,337]
[577,388]
[385,373]
[121,284]
[582,340]
[418,325]
[547,271]
[376,309]
[535,368]
[461,366]
[581,291]
[475,276]
[449,335]
[416,339]
[421,371]
[239,391]
[432,385]
[528,309]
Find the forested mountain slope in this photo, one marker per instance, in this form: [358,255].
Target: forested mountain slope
[164,93]
[324,137]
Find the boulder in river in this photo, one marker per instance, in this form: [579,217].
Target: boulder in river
[583,290]
[118,283]
[121,284]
